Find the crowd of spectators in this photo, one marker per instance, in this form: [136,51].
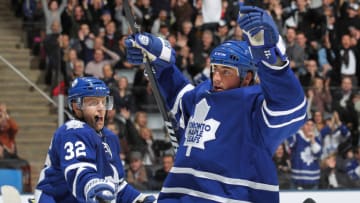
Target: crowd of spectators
[73,38]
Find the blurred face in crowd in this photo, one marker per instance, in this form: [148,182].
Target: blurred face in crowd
[107,71]
[72,55]
[279,151]
[78,68]
[53,5]
[110,28]
[141,118]
[123,83]
[98,43]
[168,162]
[98,55]
[84,28]
[346,41]
[290,35]
[308,129]
[186,27]
[346,84]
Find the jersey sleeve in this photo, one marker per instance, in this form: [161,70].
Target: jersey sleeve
[283,106]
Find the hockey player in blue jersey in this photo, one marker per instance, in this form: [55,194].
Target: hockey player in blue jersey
[229,127]
[83,162]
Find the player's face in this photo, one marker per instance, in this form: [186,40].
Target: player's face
[224,78]
[93,110]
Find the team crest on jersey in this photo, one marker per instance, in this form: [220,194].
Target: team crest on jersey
[199,130]
[74,124]
[306,156]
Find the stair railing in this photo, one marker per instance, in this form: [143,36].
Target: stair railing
[59,104]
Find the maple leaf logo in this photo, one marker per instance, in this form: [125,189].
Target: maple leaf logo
[306,156]
[199,130]
[74,124]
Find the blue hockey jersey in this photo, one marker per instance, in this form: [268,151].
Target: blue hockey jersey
[305,159]
[227,139]
[78,154]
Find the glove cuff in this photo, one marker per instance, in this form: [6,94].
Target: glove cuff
[270,55]
[95,182]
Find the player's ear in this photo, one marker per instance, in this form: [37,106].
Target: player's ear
[247,79]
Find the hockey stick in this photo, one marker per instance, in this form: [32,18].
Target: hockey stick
[153,82]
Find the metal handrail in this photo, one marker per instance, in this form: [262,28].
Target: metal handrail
[32,84]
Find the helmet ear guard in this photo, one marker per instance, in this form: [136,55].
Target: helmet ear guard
[234,54]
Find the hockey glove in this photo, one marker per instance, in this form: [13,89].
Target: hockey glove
[146,199]
[261,33]
[99,190]
[353,169]
[159,51]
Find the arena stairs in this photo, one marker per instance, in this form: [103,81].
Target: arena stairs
[28,107]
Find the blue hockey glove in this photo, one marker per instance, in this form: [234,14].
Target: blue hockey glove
[146,199]
[158,50]
[99,190]
[353,169]
[262,34]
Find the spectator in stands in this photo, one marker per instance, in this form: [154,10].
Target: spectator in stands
[342,95]
[282,163]
[332,135]
[52,48]
[308,74]
[109,77]
[120,50]
[140,120]
[160,174]
[161,19]
[95,66]
[84,43]
[222,33]
[305,147]
[349,60]
[111,37]
[320,120]
[143,96]
[201,51]
[211,14]
[349,16]
[295,53]
[319,95]
[137,175]
[53,13]
[326,57]
[8,131]
[149,158]
[331,176]
[123,97]
[183,12]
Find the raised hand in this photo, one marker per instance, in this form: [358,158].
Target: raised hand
[158,50]
[262,34]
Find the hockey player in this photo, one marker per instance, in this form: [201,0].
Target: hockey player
[229,127]
[83,162]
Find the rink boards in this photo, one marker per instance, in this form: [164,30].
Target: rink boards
[348,196]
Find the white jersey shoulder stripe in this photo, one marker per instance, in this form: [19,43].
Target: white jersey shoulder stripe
[78,165]
[200,194]
[281,124]
[283,113]
[224,179]
[185,89]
